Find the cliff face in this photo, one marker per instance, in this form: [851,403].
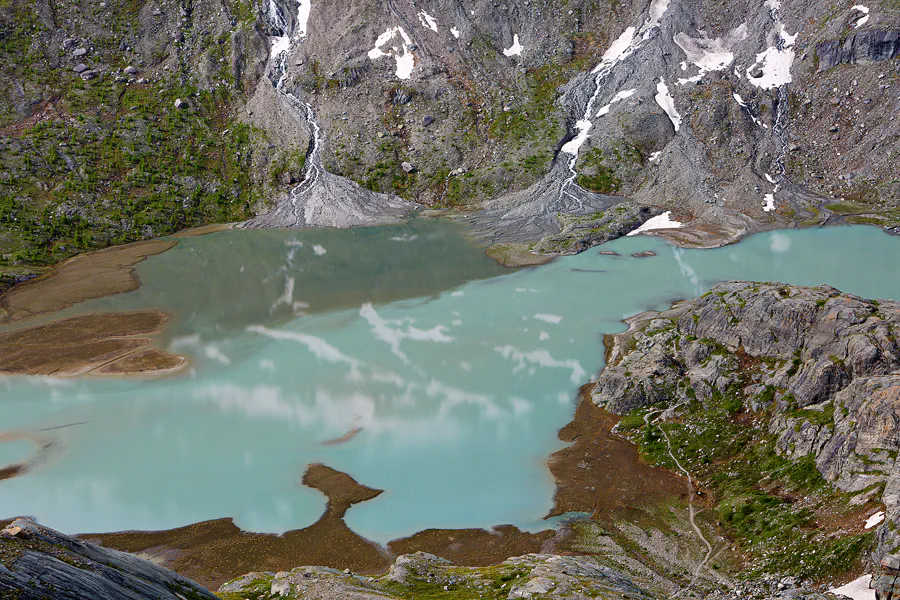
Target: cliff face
[735,116]
[817,369]
[37,563]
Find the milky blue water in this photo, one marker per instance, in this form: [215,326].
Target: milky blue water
[458,373]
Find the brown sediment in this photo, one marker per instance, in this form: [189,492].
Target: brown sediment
[102,344]
[10,471]
[473,547]
[344,438]
[213,552]
[83,277]
[341,490]
[601,472]
[203,230]
[516,254]
[45,444]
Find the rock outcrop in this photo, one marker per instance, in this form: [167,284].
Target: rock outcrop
[38,563]
[420,574]
[859,48]
[823,366]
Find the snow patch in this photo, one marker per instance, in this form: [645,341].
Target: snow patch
[667,103]
[663,221]
[769,202]
[623,95]
[428,21]
[655,156]
[515,49]
[874,520]
[572,146]
[303,17]
[319,250]
[618,50]
[742,104]
[624,46]
[774,62]
[455,32]
[657,10]
[708,54]
[865,18]
[858,589]
[401,53]
[279,44]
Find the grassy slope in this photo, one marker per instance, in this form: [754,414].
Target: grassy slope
[105,162]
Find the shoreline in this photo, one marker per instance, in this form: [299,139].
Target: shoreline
[115,266]
[213,552]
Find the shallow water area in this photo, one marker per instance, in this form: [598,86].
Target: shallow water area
[455,374]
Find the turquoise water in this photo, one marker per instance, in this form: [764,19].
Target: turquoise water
[459,374]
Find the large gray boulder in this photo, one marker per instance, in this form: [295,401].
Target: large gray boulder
[38,563]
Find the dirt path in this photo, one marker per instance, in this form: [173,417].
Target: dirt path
[692,510]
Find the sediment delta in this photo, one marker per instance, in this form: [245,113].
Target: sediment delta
[96,344]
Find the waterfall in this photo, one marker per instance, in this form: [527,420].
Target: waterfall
[627,44]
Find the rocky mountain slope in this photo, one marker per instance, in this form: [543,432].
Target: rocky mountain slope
[129,119]
[783,402]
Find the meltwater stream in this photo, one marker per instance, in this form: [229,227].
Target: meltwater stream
[458,374]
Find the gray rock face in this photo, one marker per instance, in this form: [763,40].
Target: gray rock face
[38,563]
[821,339]
[859,48]
[830,363]
[420,565]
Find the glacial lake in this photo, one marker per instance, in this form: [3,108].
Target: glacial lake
[456,373]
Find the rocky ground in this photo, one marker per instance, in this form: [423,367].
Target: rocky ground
[138,118]
[782,403]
